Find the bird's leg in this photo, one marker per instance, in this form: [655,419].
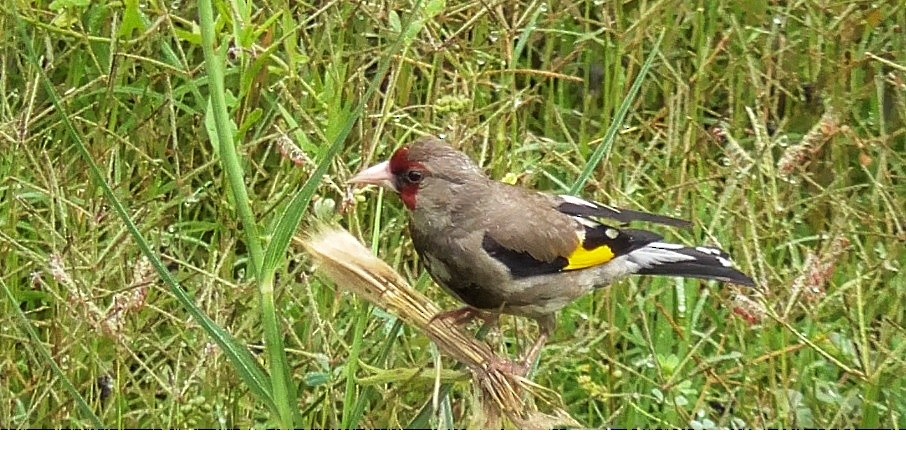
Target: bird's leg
[465,315]
[546,326]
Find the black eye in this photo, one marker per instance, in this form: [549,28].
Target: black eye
[414,176]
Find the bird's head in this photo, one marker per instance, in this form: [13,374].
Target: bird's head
[428,169]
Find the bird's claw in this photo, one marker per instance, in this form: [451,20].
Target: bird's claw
[461,316]
[510,367]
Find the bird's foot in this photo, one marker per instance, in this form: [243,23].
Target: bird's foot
[523,368]
[509,367]
[463,316]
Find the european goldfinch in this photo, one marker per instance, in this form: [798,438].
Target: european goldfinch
[501,248]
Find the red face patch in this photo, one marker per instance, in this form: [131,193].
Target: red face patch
[407,176]
[399,161]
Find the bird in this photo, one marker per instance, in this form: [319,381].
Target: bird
[505,249]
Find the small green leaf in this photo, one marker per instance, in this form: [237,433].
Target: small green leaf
[210,125]
[251,120]
[314,379]
[412,31]
[60,5]
[394,19]
[658,395]
[133,19]
[435,7]
[192,36]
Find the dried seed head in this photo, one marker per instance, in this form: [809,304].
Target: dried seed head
[130,301]
[289,150]
[747,308]
[799,154]
[817,271]
[352,266]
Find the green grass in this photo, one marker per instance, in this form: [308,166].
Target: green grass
[148,277]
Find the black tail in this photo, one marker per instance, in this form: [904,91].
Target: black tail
[701,262]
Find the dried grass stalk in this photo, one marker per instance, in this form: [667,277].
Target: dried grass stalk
[353,267]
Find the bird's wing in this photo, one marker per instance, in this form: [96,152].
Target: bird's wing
[532,235]
[575,206]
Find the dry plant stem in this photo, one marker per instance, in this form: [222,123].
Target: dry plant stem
[355,268]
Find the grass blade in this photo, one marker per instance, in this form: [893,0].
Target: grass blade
[281,384]
[239,356]
[292,215]
[611,135]
[42,350]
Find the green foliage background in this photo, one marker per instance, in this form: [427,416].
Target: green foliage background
[167,152]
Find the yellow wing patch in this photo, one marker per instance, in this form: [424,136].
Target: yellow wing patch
[584,258]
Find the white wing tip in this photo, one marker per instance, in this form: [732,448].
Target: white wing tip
[578,201]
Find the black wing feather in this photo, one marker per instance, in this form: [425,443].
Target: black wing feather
[626,241]
[708,263]
[620,215]
[521,264]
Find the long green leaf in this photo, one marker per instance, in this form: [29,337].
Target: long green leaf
[611,135]
[238,355]
[37,344]
[281,384]
[292,215]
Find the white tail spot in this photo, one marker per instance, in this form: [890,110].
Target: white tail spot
[657,254]
[709,251]
[724,261]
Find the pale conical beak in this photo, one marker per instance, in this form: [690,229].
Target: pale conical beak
[378,174]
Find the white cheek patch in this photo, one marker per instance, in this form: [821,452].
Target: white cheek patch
[612,233]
